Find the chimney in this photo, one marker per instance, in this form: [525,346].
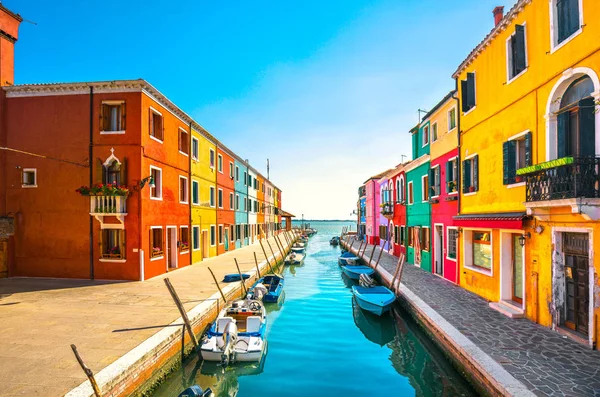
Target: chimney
[498,14]
[9,33]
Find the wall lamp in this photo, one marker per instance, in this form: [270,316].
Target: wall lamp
[146,180]
[522,238]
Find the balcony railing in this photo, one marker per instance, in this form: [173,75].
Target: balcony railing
[387,209]
[111,205]
[562,179]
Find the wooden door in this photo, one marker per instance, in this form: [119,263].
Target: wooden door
[517,269]
[575,248]
[3,258]
[170,248]
[439,258]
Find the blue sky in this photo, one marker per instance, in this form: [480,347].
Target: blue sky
[327,90]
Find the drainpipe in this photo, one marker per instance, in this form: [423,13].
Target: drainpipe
[458,178]
[91,157]
[190,229]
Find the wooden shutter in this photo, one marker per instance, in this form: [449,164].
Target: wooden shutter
[448,171]
[561,134]
[573,6]
[470,90]
[464,98]
[528,150]
[466,175]
[587,129]
[509,162]
[476,172]
[432,182]
[505,165]
[123,116]
[162,128]
[103,117]
[151,241]
[100,176]
[519,58]
[150,123]
[123,245]
[123,172]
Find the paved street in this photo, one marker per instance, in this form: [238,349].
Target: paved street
[547,363]
[40,318]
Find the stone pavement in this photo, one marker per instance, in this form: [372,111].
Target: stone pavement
[40,318]
[541,359]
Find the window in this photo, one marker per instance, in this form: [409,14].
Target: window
[194,148]
[434,132]
[112,244]
[566,19]
[29,177]
[211,158]
[434,178]
[452,176]
[383,232]
[238,231]
[424,237]
[482,250]
[467,88]
[425,187]
[213,235]
[220,163]
[451,119]
[470,168]
[425,135]
[156,191]
[237,202]
[212,196]
[156,242]
[195,238]
[112,173]
[255,184]
[220,198]
[245,203]
[410,193]
[452,242]
[183,190]
[220,234]
[402,236]
[245,179]
[576,131]
[237,173]
[411,235]
[516,52]
[195,192]
[156,125]
[255,206]
[232,233]
[230,200]
[230,170]
[112,117]
[516,154]
[184,236]
[397,235]
[184,144]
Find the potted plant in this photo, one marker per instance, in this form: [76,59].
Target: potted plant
[451,187]
[518,178]
[471,188]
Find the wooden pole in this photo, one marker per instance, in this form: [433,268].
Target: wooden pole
[218,286]
[365,249]
[241,277]
[88,372]
[396,272]
[183,313]
[266,257]
[281,244]
[279,247]
[402,263]
[358,252]
[378,258]
[273,252]
[372,253]
[256,262]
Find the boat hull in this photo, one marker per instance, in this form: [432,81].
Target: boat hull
[354,272]
[348,261]
[378,305]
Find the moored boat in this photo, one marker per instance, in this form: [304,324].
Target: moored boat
[348,259]
[268,288]
[334,241]
[298,247]
[196,391]
[234,277]
[354,272]
[295,258]
[238,334]
[376,300]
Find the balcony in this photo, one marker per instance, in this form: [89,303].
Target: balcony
[101,206]
[387,210]
[566,182]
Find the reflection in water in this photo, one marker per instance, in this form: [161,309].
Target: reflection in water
[226,378]
[379,330]
[348,282]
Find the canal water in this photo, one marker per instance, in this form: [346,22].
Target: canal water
[320,343]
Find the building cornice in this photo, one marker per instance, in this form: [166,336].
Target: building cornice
[502,25]
[416,163]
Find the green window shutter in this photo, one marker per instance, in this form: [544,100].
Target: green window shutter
[587,128]
[476,172]
[448,171]
[466,176]
[505,162]
[471,90]
[432,182]
[528,150]
[561,134]
[464,97]
[519,59]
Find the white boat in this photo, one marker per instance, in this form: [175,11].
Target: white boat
[348,259]
[295,258]
[238,334]
[298,247]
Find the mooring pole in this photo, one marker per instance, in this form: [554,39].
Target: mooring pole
[273,252]
[378,258]
[359,248]
[88,372]
[256,262]
[183,313]
[241,277]
[372,253]
[218,286]
[266,257]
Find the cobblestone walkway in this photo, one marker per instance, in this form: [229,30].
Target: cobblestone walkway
[544,361]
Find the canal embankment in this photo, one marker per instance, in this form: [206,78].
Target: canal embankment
[128,333]
[499,355]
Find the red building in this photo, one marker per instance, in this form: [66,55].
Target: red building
[226,185]
[398,179]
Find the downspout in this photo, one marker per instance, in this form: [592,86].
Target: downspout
[190,229]
[91,157]
[458,178]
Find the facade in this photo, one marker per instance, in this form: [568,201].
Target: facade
[260,216]
[252,204]
[398,215]
[225,199]
[418,209]
[529,97]
[443,187]
[372,207]
[383,207]
[241,203]
[362,212]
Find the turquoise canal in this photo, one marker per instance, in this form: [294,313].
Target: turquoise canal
[321,344]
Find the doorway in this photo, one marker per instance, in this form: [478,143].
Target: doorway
[226,238]
[171,247]
[577,287]
[516,258]
[439,244]
[204,244]
[3,258]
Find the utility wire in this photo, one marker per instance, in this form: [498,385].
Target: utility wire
[42,156]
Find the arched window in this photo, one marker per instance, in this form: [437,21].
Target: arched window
[398,191]
[576,119]
[113,172]
[390,191]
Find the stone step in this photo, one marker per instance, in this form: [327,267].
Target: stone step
[507,309]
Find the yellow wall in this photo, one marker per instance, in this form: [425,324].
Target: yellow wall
[202,214]
[482,284]
[446,141]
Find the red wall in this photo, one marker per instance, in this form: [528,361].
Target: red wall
[399,218]
[225,216]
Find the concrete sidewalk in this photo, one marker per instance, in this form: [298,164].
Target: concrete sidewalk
[520,356]
[40,318]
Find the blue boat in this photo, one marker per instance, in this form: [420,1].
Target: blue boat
[348,259]
[354,272]
[229,278]
[376,300]
[196,391]
[274,285]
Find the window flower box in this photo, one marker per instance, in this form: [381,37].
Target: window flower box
[100,189]
[183,246]
[156,251]
[451,198]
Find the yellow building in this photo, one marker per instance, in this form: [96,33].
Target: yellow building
[203,195]
[528,94]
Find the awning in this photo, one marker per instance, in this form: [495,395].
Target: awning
[497,220]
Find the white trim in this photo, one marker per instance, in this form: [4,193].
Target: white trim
[166,251]
[155,111]
[470,110]
[179,141]
[471,267]
[508,54]
[474,92]
[219,155]
[519,135]
[113,102]
[156,139]
[163,247]
[160,196]
[554,46]
[503,286]
[448,239]
[34,170]
[440,173]
[215,157]
[189,237]
[199,238]
[518,184]
[416,163]
[431,140]
[410,200]
[211,189]
[220,190]
[426,127]
[192,192]
[220,234]
[423,200]
[433,250]
[470,193]
[187,190]
[120,132]
[195,158]
[112,260]
[455,119]
[232,201]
